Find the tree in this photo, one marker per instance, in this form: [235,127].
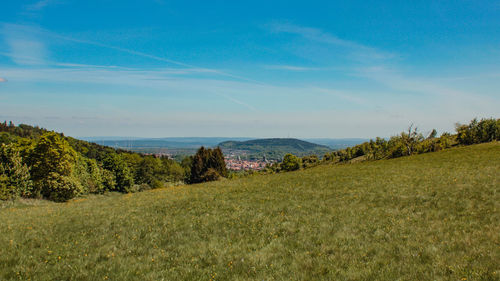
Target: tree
[14,174]
[53,169]
[290,163]
[432,134]
[122,176]
[217,162]
[90,175]
[172,170]
[149,172]
[478,131]
[207,165]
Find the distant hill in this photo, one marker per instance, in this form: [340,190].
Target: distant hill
[172,145]
[274,148]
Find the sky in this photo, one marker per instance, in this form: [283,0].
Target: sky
[333,69]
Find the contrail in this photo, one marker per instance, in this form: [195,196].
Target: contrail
[157,58]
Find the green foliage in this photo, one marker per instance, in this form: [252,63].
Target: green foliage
[149,172]
[84,167]
[310,161]
[53,169]
[90,175]
[208,165]
[14,175]
[108,180]
[290,163]
[485,130]
[275,148]
[186,164]
[405,144]
[122,176]
[173,171]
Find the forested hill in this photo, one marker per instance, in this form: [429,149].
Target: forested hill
[275,148]
[38,163]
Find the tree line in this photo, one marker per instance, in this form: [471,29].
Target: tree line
[37,163]
[406,143]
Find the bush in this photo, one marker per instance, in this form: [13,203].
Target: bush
[310,161]
[60,188]
[290,163]
[14,174]
[210,175]
[485,130]
[89,175]
[140,187]
[108,180]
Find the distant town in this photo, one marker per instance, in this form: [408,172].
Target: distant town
[233,162]
[236,164]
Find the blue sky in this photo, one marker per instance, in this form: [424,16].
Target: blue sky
[158,68]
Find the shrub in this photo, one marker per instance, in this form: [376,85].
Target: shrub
[290,163]
[478,131]
[89,175]
[210,175]
[309,161]
[14,174]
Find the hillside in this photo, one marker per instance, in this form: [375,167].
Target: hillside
[432,216]
[188,145]
[173,145]
[274,148]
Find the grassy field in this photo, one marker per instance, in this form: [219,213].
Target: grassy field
[434,216]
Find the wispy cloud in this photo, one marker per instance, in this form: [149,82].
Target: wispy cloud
[292,68]
[39,5]
[236,101]
[356,50]
[2,80]
[344,95]
[428,89]
[25,47]
[174,83]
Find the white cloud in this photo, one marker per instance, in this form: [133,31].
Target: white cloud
[38,5]
[25,47]
[292,68]
[440,96]
[358,51]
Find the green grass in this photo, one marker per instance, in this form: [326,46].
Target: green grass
[434,216]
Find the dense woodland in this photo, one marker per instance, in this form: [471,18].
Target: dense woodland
[37,163]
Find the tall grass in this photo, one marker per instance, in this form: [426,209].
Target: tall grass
[427,217]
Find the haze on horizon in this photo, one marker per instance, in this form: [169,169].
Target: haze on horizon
[332,69]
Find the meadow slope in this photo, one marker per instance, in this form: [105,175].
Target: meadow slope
[433,216]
